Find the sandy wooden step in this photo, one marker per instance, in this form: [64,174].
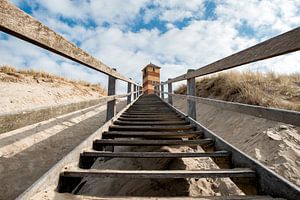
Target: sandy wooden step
[66,196]
[151,113]
[212,173]
[126,134]
[151,128]
[134,123]
[150,119]
[100,145]
[88,158]
[175,116]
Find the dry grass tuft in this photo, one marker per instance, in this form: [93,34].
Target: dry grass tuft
[41,76]
[269,90]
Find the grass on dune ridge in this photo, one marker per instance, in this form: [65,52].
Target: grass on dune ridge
[45,76]
[255,88]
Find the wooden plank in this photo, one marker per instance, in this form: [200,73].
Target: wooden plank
[213,173]
[154,154]
[19,24]
[111,105]
[124,142]
[191,90]
[152,128]
[65,196]
[132,123]
[150,119]
[282,44]
[124,134]
[151,116]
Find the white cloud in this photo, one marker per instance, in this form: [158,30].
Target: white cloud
[199,43]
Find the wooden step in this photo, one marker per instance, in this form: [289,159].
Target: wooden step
[151,113]
[126,134]
[64,196]
[150,119]
[88,158]
[99,145]
[212,173]
[133,123]
[151,128]
[175,116]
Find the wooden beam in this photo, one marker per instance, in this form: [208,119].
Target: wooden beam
[151,128]
[191,91]
[282,44]
[178,135]
[111,105]
[21,25]
[213,173]
[154,154]
[130,142]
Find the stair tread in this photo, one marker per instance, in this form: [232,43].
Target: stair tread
[211,173]
[153,142]
[154,154]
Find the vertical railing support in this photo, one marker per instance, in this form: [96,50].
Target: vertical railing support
[170,100]
[162,91]
[111,105]
[191,91]
[134,90]
[129,91]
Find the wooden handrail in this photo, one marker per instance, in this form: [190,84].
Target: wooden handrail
[282,44]
[19,24]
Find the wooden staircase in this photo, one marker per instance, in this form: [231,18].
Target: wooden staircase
[151,122]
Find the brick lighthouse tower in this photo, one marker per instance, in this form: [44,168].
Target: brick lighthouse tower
[151,76]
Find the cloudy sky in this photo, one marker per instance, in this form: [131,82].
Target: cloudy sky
[174,34]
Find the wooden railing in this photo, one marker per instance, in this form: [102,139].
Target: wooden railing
[282,44]
[19,24]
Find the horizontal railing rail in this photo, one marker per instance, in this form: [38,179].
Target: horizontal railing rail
[274,114]
[17,23]
[282,44]
[285,43]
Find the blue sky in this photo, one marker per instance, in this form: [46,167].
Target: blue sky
[174,34]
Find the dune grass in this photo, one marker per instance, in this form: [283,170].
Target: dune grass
[255,88]
[46,77]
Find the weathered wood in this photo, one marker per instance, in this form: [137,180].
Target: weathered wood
[132,123]
[154,154]
[178,135]
[213,173]
[130,142]
[59,196]
[275,114]
[282,44]
[87,158]
[19,24]
[151,128]
[162,92]
[191,90]
[149,119]
[170,90]
[129,85]
[111,105]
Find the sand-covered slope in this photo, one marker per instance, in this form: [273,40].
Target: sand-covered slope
[275,144]
[255,88]
[30,89]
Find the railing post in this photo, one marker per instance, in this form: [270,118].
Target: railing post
[170,100]
[111,105]
[162,92]
[129,91]
[191,91]
[134,90]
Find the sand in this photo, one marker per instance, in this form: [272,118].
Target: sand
[274,144]
[27,153]
[28,93]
